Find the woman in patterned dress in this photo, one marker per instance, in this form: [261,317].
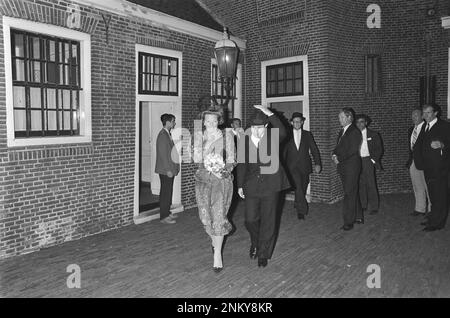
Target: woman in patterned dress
[214,191]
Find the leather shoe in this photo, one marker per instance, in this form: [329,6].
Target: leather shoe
[253,252]
[262,262]
[301,216]
[168,220]
[432,228]
[347,227]
[359,221]
[173,216]
[416,213]
[373,212]
[217,269]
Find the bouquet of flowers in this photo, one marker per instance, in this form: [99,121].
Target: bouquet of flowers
[214,164]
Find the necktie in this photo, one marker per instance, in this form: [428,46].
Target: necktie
[414,137]
[428,128]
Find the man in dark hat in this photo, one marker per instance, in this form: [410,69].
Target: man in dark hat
[298,161]
[260,179]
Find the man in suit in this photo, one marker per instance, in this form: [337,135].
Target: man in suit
[347,158]
[298,161]
[417,176]
[167,166]
[260,179]
[434,143]
[370,152]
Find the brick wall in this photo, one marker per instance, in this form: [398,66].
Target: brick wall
[53,194]
[338,39]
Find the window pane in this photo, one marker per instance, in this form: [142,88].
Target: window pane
[165,66]
[36,120]
[19,47]
[19,96]
[298,71]
[60,119]
[299,86]
[74,121]
[156,79]
[52,120]
[289,70]
[51,98]
[280,87]
[74,76]
[75,100]
[61,74]
[36,48]
[66,52]
[66,99]
[150,65]
[74,54]
[61,51]
[148,82]
[66,74]
[20,70]
[174,68]
[173,84]
[143,64]
[35,97]
[67,120]
[35,72]
[157,66]
[164,83]
[280,73]
[144,83]
[52,51]
[20,120]
[289,87]
[271,74]
[51,73]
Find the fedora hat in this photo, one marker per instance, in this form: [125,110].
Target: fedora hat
[260,119]
[298,115]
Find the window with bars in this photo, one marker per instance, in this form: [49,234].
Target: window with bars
[158,75]
[218,89]
[46,85]
[284,80]
[373,74]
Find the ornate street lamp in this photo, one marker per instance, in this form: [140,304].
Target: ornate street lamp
[226,53]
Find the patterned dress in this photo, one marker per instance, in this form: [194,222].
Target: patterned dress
[214,194]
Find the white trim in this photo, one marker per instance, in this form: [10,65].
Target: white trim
[304,98]
[159,19]
[140,218]
[446,22]
[85,100]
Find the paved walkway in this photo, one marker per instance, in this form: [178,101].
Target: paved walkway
[311,259]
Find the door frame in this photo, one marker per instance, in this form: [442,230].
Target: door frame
[142,217]
[303,98]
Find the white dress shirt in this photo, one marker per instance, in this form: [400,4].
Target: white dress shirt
[345,129]
[364,147]
[297,137]
[431,124]
[417,128]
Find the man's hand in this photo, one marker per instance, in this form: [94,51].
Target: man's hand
[335,159]
[264,109]
[169,174]
[241,193]
[437,144]
[317,168]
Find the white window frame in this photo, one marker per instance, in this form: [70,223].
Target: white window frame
[303,98]
[85,94]
[238,101]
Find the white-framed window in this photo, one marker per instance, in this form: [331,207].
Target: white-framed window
[48,84]
[219,92]
[285,85]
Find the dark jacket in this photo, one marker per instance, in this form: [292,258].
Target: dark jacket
[375,146]
[249,176]
[434,162]
[348,147]
[164,149]
[413,155]
[301,158]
